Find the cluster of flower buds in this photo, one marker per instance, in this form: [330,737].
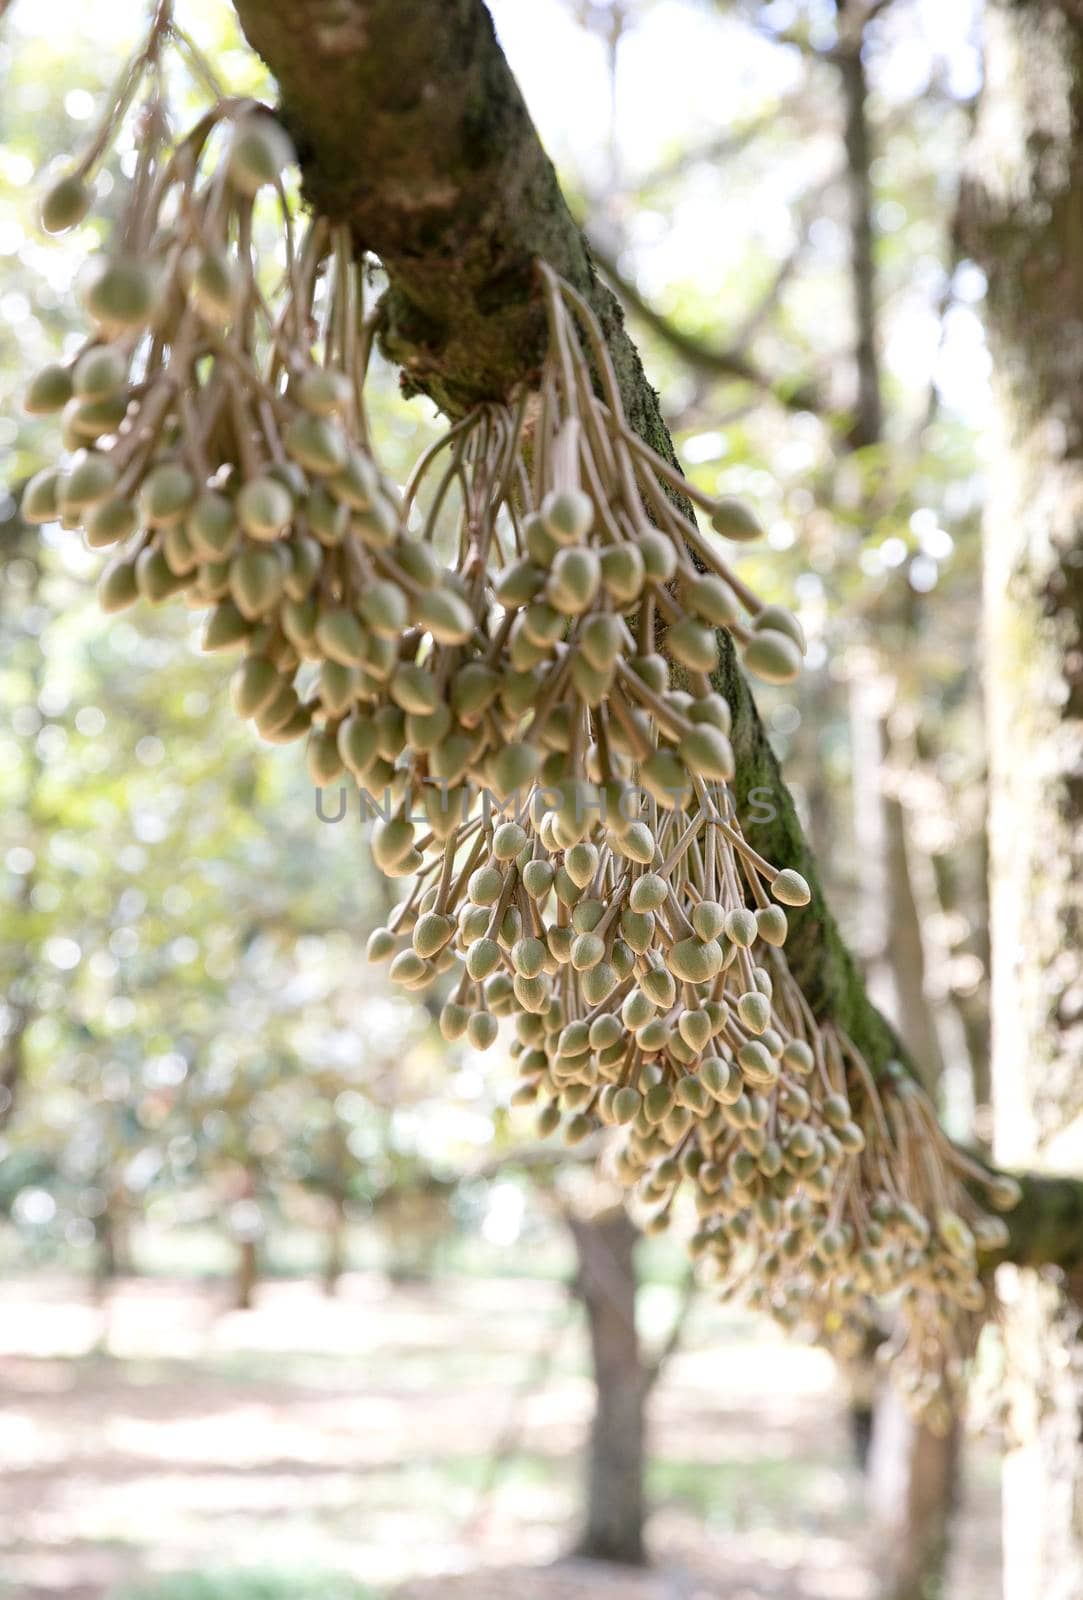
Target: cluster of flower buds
[516,658]
[645,970]
[900,1222]
[215,438]
[524,622]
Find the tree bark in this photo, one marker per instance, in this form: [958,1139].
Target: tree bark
[410,125]
[335,1245]
[891,942]
[606,1284]
[246,1275]
[868,418]
[870,824]
[913,1473]
[112,1260]
[972,1006]
[1023,221]
[913,1478]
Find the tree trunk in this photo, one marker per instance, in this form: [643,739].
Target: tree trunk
[914,1014]
[913,1482]
[868,418]
[606,1284]
[869,815]
[913,1473]
[892,943]
[335,1253]
[973,1005]
[106,1265]
[113,1256]
[914,1536]
[1023,221]
[246,1275]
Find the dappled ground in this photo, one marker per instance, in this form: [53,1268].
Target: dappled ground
[404,1438]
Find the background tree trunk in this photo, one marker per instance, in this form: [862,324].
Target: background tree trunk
[606,1284]
[247,1230]
[335,1245]
[913,1518]
[112,1257]
[913,1487]
[246,1275]
[1023,221]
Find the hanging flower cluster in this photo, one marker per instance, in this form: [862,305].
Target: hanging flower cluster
[516,657]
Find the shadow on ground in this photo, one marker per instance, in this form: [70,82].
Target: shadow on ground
[354,1438]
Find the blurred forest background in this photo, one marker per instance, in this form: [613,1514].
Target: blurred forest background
[292,1302]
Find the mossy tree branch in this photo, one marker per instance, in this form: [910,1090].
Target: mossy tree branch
[411,127]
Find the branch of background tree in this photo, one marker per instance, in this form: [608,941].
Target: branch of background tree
[852,23]
[720,148]
[709,360]
[753,320]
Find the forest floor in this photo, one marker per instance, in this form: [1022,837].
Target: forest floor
[345,1449]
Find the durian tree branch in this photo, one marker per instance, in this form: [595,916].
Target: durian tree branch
[410,125]
[411,128]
